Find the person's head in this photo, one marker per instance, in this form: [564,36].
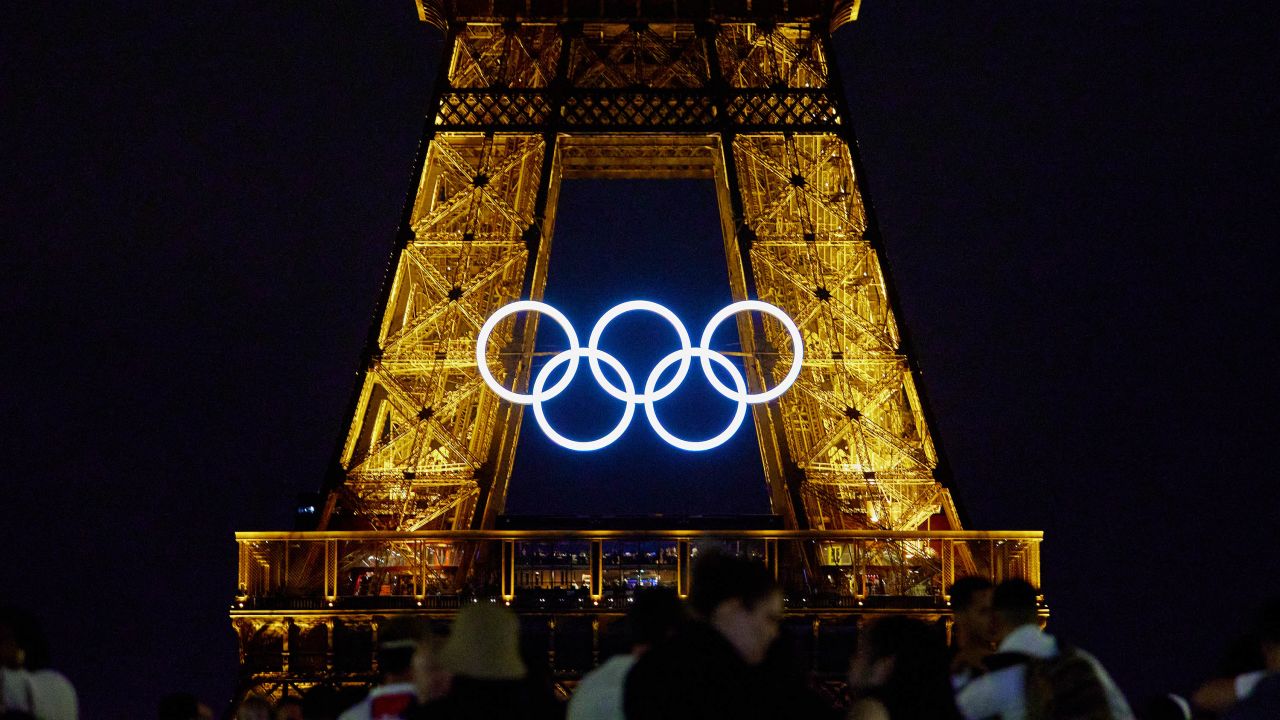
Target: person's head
[431,680]
[971,610]
[484,644]
[906,663]
[289,707]
[22,643]
[1269,634]
[1013,604]
[740,599]
[254,707]
[653,616]
[398,640]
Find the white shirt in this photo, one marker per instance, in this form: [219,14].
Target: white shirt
[599,694]
[47,694]
[1001,693]
[1245,683]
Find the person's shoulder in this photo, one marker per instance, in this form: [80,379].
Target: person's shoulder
[55,694]
[995,683]
[608,672]
[868,709]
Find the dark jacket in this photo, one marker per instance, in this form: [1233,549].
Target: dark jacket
[471,699]
[1261,704]
[698,675]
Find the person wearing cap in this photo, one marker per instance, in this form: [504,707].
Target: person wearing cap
[489,678]
[398,642]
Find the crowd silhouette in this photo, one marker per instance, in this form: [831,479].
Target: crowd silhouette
[713,656]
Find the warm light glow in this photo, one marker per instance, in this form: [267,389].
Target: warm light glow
[627,394]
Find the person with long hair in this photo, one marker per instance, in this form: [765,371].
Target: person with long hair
[901,670]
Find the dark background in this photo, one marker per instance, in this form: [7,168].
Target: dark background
[1078,201]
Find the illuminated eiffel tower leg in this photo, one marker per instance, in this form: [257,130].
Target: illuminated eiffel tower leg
[854,445]
[429,446]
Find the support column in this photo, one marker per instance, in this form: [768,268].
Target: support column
[948,553]
[771,557]
[597,570]
[682,568]
[330,570]
[508,570]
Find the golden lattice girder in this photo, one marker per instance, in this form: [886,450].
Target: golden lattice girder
[751,105]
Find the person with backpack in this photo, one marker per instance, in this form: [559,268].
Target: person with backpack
[1034,676]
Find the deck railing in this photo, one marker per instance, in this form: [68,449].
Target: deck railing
[563,569]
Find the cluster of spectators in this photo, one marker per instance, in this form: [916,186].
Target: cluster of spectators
[716,656]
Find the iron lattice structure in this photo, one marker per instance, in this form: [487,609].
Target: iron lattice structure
[744,94]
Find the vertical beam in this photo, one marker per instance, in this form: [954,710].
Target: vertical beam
[420,576]
[948,553]
[682,568]
[508,570]
[242,574]
[1033,562]
[771,556]
[597,570]
[331,570]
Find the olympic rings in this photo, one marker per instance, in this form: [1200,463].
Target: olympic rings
[627,393]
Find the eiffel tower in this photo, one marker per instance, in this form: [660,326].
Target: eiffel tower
[745,93]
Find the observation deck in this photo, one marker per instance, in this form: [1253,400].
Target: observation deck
[309,604]
[443,12]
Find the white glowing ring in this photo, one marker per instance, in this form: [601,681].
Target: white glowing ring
[707,355]
[649,395]
[572,356]
[482,344]
[628,394]
[796,344]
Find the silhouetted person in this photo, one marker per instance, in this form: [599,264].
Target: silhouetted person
[254,707]
[901,670]
[27,684]
[711,667]
[489,678]
[288,707]
[398,642]
[430,678]
[971,631]
[1255,694]
[653,616]
[1032,674]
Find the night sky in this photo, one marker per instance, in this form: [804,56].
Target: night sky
[1078,201]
